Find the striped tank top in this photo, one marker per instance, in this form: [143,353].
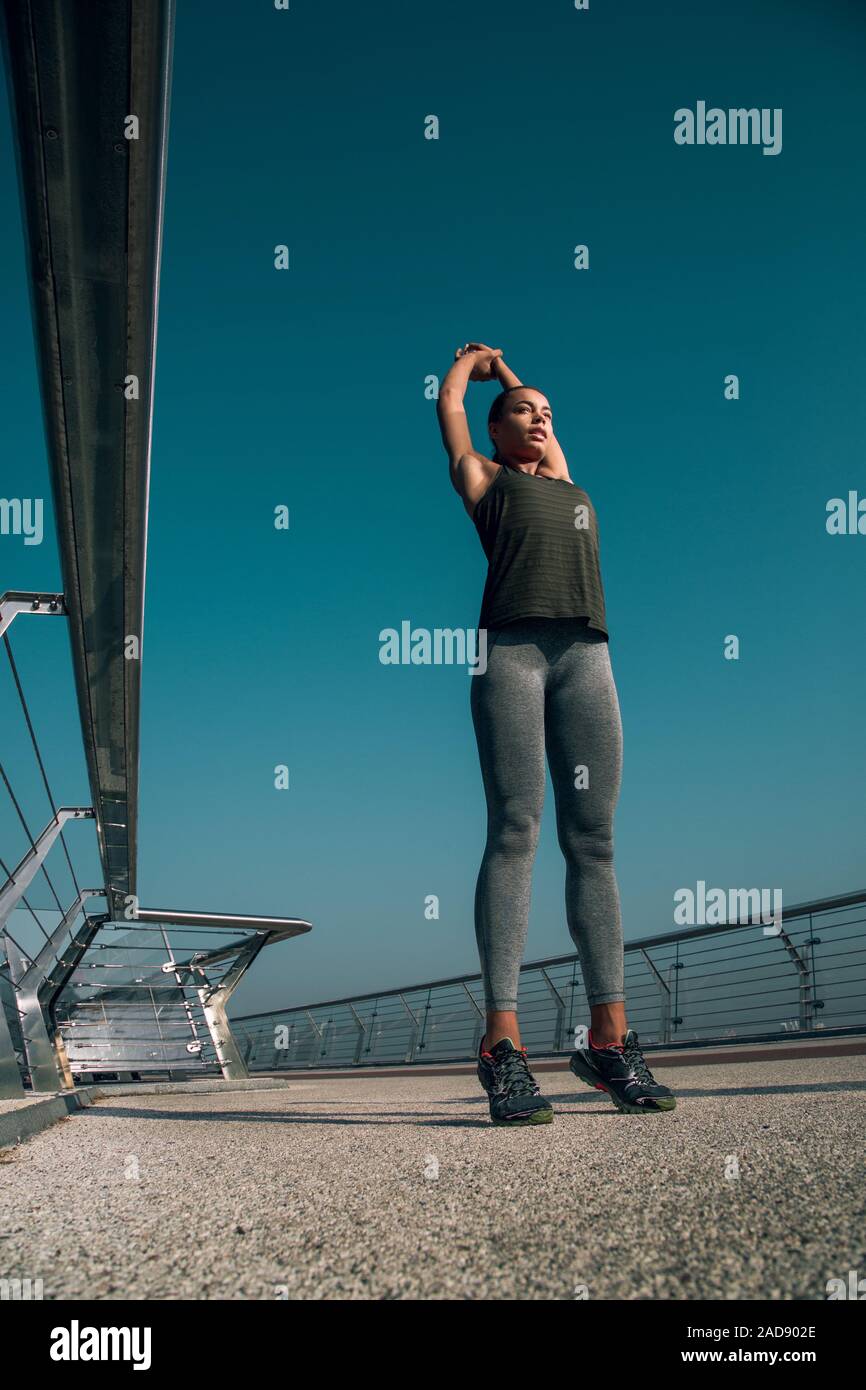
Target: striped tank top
[540,536]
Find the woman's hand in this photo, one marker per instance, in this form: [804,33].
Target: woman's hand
[482,367]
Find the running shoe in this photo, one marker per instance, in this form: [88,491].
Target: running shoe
[620,1069]
[515,1097]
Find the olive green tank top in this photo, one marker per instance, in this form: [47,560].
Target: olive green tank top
[540,536]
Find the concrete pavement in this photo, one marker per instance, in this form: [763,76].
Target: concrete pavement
[398,1187]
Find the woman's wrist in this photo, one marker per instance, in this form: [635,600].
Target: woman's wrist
[504,374]
[457,376]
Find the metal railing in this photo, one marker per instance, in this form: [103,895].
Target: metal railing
[101,996]
[89,89]
[150,996]
[730,983]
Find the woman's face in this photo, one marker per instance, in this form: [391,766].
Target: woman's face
[523,430]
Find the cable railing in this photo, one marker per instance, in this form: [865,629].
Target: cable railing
[735,982]
[91,996]
[28,1050]
[148,998]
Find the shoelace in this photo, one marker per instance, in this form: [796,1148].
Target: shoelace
[635,1058]
[513,1075]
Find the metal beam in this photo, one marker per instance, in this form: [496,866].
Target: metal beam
[47,1064]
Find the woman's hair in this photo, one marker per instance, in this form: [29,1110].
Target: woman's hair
[498,405]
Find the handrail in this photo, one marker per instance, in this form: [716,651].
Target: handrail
[734,981]
[798,910]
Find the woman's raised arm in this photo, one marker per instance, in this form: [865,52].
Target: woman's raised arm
[450,409]
[470,472]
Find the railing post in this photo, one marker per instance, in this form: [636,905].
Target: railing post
[813,942]
[559,1004]
[416,1029]
[665,1021]
[371,1036]
[675,966]
[317,1033]
[801,964]
[11,1084]
[283,1055]
[359,1044]
[479,1022]
[572,986]
[327,1034]
[39,1053]
[231,1062]
[423,1043]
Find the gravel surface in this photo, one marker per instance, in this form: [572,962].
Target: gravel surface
[400,1188]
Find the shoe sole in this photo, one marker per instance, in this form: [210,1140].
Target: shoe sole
[659,1106]
[535,1117]
[543,1116]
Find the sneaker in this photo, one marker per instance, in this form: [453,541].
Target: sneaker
[515,1098]
[622,1072]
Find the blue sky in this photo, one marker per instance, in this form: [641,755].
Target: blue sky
[307,388]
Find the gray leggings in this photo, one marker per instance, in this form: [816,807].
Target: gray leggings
[548,684]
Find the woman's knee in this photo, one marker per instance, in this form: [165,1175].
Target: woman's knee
[583,845]
[515,827]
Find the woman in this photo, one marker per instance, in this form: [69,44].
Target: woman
[548,687]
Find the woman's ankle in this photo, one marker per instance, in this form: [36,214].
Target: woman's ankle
[608,1024]
[495,1033]
[501,1024]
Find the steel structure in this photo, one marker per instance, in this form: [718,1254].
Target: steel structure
[150,996]
[89,88]
[92,198]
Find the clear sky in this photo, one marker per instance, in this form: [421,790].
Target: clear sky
[309,388]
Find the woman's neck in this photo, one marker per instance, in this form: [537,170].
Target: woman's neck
[519,467]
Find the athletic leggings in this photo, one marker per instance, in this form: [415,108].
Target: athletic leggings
[548,685]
